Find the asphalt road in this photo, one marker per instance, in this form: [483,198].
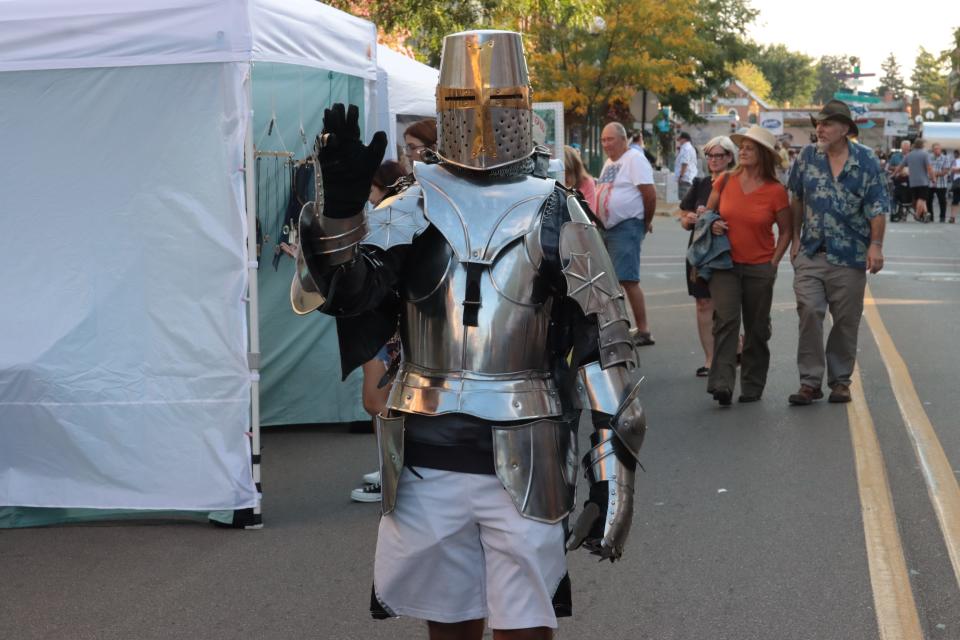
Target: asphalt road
[749,520]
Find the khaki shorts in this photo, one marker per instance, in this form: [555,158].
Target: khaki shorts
[456,548]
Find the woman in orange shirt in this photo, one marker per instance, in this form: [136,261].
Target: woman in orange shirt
[750,201]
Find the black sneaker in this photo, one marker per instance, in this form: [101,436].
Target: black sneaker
[366,493]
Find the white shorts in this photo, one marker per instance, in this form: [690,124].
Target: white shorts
[456,548]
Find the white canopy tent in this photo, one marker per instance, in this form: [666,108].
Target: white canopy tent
[406,90]
[125,379]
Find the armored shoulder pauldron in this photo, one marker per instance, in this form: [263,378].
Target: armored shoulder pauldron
[592,283]
[397,221]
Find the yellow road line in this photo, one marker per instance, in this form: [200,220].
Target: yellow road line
[941,483]
[892,597]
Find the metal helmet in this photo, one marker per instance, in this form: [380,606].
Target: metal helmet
[484,106]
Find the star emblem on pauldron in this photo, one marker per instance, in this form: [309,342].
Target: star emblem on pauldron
[397,225]
[586,286]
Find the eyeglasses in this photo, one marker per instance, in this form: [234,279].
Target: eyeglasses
[718,156]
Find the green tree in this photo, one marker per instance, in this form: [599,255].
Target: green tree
[952,56]
[929,78]
[419,26]
[892,79]
[791,74]
[828,82]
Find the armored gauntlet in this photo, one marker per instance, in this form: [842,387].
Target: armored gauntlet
[609,386]
[604,523]
[345,164]
[332,226]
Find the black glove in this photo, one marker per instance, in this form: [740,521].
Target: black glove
[588,528]
[347,165]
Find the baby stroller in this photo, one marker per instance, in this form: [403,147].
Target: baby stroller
[902,201]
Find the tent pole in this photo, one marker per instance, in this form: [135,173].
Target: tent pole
[253,307]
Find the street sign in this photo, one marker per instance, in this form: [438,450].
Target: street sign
[856,97]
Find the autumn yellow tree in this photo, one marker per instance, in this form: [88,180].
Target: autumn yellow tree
[752,78]
[646,44]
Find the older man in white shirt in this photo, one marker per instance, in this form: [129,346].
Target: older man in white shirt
[626,204]
[685,168]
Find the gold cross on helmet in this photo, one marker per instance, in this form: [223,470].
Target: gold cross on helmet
[483,100]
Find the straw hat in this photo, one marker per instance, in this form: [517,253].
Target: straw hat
[761,136]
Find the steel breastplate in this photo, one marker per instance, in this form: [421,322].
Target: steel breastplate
[497,369]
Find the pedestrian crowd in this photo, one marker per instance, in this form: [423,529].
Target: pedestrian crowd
[919,179]
[825,205]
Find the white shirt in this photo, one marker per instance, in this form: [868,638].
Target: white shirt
[686,156]
[618,197]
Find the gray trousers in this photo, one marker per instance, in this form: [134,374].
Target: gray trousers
[818,286]
[746,292]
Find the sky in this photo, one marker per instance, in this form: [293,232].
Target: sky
[856,27]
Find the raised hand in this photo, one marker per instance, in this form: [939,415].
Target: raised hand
[346,164]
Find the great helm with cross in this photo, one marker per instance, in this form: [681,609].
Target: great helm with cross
[483,100]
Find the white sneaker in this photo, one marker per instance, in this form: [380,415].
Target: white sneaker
[371,478]
[366,493]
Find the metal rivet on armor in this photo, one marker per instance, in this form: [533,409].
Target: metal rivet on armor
[476,252]
[393,457]
[409,397]
[610,353]
[516,403]
[514,466]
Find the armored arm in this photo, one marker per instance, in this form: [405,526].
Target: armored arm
[608,383]
[331,272]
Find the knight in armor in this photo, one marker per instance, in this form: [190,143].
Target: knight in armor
[512,323]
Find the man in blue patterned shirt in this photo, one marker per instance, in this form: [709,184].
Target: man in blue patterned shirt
[839,201]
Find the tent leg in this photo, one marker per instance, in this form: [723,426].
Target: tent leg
[241,518]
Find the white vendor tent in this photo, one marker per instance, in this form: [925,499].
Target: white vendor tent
[129,369]
[406,91]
